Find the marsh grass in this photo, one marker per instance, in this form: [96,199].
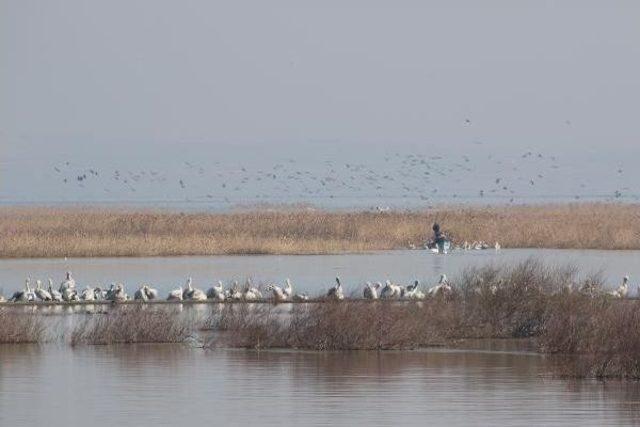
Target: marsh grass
[129,325]
[22,328]
[87,232]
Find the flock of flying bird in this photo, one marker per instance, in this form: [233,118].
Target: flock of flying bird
[395,176]
[68,292]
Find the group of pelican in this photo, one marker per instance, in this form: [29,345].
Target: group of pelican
[67,292]
[390,290]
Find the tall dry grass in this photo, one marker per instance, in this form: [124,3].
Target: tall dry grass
[132,325]
[90,232]
[22,328]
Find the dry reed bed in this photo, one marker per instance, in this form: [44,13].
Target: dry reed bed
[132,325]
[86,232]
[23,328]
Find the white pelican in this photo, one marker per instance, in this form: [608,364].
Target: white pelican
[152,293]
[412,292]
[234,293]
[497,246]
[23,295]
[288,289]
[119,294]
[336,291]
[99,294]
[371,290]
[88,294]
[193,294]
[175,295]
[442,287]
[216,292]
[622,290]
[55,295]
[42,294]
[141,294]
[390,290]
[278,293]
[251,293]
[68,282]
[301,297]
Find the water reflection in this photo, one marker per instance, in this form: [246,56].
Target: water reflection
[175,384]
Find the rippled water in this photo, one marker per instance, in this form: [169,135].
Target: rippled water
[176,385]
[312,274]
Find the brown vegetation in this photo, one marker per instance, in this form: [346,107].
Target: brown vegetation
[85,232]
[128,325]
[21,328]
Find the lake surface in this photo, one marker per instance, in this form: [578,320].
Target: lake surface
[478,383]
[312,274]
[133,385]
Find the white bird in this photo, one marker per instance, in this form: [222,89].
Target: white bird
[442,288]
[88,294]
[68,282]
[119,294]
[371,290]
[251,293]
[99,294]
[217,292]
[412,292]
[175,295]
[141,294]
[152,293]
[301,297]
[42,294]
[622,290]
[390,290]
[336,292]
[234,293]
[497,246]
[25,294]
[55,295]
[278,293]
[193,294]
[288,288]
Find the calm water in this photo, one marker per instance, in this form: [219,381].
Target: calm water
[488,383]
[176,385]
[312,274]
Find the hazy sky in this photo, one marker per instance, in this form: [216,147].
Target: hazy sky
[97,81]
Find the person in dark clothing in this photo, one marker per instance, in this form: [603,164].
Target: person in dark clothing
[438,235]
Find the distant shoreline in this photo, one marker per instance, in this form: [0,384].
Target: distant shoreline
[85,231]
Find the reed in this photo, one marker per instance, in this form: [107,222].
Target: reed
[92,232]
[21,328]
[131,325]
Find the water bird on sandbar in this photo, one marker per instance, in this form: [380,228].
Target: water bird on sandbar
[622,290]
[68,282]
[42,294]
[390,291]
[371,290]
[442,288]
[141,294]
[412,292]
[251,293]
[288,288]
[216,292]
[24,295]
[55,294]
[278,293]
[336,292]
[88,294]
[193,294]
[175,294]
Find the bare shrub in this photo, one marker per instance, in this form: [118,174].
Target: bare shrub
[132,325]
[21,328]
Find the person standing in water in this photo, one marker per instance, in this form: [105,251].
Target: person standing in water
[438,237]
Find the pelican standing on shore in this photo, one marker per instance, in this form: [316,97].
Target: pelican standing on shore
[336,292]
[371,290]
[42,294]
